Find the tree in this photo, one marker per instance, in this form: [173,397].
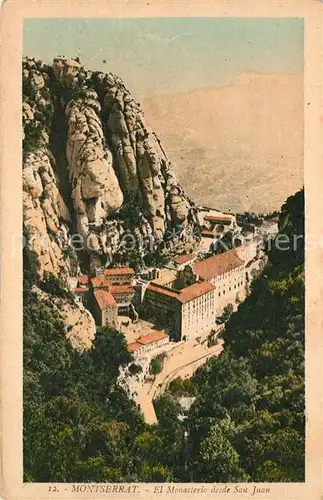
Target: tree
[170,430]
[225,382]
[218,461]
[154,473]
[227,312]
[148,447]
[30,265]
[180,387]
[156,364]
[135,369]
[167,411]
[53,285]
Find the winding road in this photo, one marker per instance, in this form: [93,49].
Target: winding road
[181,362]
[176,373]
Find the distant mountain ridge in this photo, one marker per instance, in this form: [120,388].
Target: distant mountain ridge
[236,147]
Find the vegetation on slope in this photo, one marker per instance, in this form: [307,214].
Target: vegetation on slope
[247,423]
[248,419]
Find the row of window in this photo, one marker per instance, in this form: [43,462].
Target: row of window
[199,322]
[199,308]
[229,273]
[230,288]
[196,318]
[200,301]
[121,281]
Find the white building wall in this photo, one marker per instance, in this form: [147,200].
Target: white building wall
[228,285]
[121,279]
[198,315]
[109,316]
[150,347]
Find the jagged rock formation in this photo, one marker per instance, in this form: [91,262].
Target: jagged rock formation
[143,167]
[93,167]
[45,213]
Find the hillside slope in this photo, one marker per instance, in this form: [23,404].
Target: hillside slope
[252,397]
[237,147]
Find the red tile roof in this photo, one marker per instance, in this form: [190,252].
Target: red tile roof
[118,270]
[134,346]
[182,259]
[104,299]
[80,289]
[220,219]
[194,291]
[151,337]
[186,294]
[83,280]
[154,287]
[122,289]
[208,234]
[99,281]
[217,264]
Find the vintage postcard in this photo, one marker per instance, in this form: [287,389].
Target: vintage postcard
[161,250]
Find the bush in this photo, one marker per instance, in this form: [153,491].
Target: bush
[55,286]
[135,369]
[225,316]
[156,364]
[180,387]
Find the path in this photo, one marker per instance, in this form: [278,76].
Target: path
[188,368]
[187,358]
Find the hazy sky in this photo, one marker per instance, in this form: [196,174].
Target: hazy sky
[167,55]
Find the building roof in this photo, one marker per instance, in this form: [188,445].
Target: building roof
[99,281]
[218,264]
[165,276]
[154,287]
[208,234]
[116,271]
[220,219]
[182,259]
[121,289]
[151,337]
[80,289]
[83,280]
[186,294]
[134,346]
[104,299]
[194,291]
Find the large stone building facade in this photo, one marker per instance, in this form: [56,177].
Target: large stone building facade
[187,312]
[188,300]
[107,295]
[104,308]
[185,300]
[226,271]
[148,342]
[120,276]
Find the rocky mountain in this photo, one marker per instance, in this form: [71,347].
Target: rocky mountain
[94,175]
[237,147]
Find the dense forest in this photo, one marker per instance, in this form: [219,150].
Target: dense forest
[246,424]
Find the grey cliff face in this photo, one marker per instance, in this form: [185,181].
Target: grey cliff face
[93,167]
